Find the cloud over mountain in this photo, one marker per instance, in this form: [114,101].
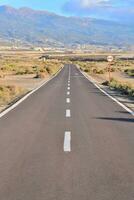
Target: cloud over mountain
[121,10]
[90,3]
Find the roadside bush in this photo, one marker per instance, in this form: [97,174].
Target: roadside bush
[40,75]
[24,71]
[129,72]
[7,93]
[98,71]
[113,69]
[105,83]
[48,70]
[86,70]
[125,89]
[94,71]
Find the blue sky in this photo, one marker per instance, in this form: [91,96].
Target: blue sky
[108,9]
[50,5]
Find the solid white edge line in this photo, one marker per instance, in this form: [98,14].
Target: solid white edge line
[27,95]
[67,142]
[104,92]
[68,113]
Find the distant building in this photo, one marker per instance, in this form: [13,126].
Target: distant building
[44,58]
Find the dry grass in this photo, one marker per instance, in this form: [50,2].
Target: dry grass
[19,69]
[8,93]
[20,65]
[122,73]
[120,70]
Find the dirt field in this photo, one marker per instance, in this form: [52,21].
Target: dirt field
[121,71]
[22,71]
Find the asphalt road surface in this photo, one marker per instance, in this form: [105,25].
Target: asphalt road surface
[67,141]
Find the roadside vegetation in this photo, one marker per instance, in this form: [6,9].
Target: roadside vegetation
[119,69]
[25,66]
[123,88]
[9,93]
[23,71]
[47,68]
[129,72]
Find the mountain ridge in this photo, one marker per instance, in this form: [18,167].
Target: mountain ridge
[42,27]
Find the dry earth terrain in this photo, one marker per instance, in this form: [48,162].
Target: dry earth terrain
[22,71]
[121,82]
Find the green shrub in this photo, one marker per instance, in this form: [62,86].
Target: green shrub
[130,72]
[86,70]
[48,70]
[7,93]
[124,88]
[23,71]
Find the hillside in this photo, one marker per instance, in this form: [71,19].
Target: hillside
[41,27]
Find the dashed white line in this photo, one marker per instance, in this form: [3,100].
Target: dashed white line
[67,142]
[67,100]
[68,113]
[69,73]
[68,88]
[68,93]
[69,84]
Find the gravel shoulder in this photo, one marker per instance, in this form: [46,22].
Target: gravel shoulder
[129,102]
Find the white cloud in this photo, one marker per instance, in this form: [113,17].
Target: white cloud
[120,10]
[84,6]
[91,3]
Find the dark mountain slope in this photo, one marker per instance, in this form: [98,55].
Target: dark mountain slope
[41,27]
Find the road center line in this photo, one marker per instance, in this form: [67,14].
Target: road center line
[69,73]
[68,113]
[67,142]
[67,100]
[68,93]
[68,88]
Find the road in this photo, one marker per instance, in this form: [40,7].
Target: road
[67,141]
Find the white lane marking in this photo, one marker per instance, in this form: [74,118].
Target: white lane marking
[68,88]
[68,81]
[111,97]
[67,142]
[68,113]
[67,100]
[69,84]
[27,95]
[68,93]
[69,73]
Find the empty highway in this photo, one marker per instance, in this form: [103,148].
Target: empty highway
[67,141]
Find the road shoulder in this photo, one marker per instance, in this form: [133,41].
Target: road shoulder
[124,101]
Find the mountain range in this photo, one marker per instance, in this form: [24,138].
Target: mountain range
[45,28]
